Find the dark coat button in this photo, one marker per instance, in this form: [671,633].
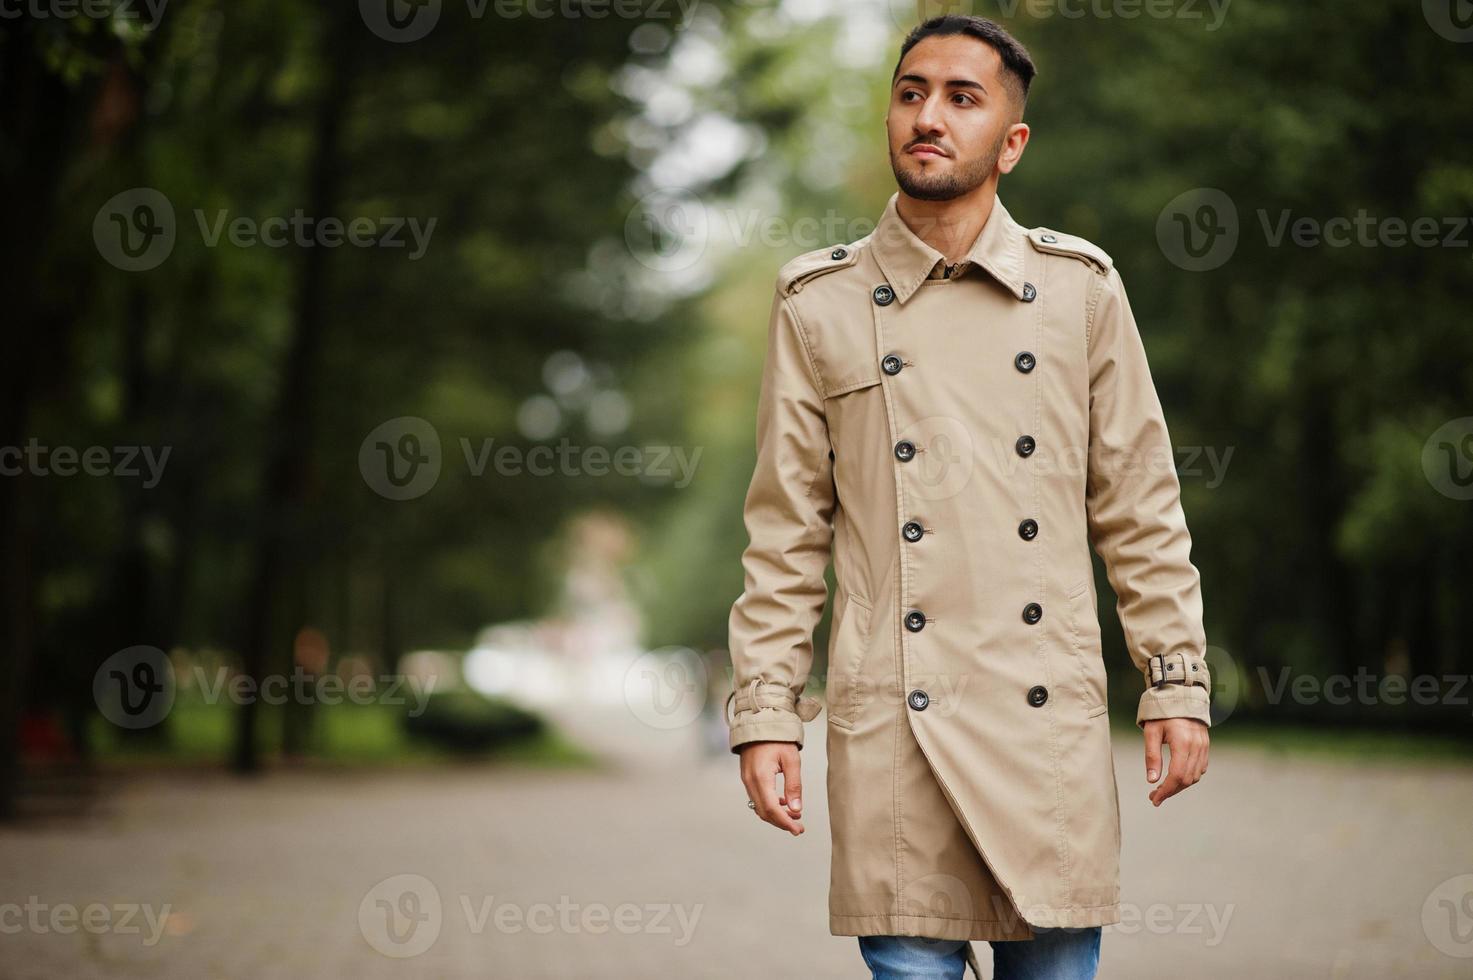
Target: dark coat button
[912,530]
[1025,445]
[884,295]
[1025,361]
[915,620]
[919,699]
[891,364]
[839,253]
[1028,530]
[1037,695]
[905,450]
[1029,293]
[1032,613]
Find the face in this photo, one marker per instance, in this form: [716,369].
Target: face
[951,123]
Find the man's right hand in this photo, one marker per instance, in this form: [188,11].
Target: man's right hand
[761,762]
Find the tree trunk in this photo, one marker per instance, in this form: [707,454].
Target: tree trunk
[293,423]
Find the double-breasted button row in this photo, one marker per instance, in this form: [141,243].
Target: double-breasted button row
[884,295]
[919,700]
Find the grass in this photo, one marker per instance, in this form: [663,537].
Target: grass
[198,732]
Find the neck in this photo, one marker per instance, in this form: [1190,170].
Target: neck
[952,226]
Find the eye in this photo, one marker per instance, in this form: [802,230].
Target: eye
[963,99]
[906,95]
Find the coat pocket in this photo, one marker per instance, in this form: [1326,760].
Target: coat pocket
[1084,642]
[846,660]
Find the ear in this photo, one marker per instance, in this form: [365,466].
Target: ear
[1013,146]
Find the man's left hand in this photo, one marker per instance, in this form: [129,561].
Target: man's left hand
[1187,738]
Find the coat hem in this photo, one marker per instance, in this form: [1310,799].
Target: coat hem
[1072,917]
[927,926]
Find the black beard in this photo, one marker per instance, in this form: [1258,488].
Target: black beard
[924,188]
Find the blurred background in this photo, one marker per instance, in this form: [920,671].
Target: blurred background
[379,406]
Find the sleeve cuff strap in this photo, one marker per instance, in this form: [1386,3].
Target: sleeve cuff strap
[766,725]
[1174,701]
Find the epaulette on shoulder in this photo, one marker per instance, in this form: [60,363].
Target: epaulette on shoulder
[1058,243]
[796,273]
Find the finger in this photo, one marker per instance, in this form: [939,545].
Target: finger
[1199,762]
[768,807]
[792,796]
[1176,776]
[1153,752]
[1169,787]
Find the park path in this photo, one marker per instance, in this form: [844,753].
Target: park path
[653,866]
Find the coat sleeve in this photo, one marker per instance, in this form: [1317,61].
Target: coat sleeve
[788,515]
[1136,522]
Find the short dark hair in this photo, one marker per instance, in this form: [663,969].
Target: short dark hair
[1017,66]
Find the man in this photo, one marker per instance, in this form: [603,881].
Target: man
[962,407]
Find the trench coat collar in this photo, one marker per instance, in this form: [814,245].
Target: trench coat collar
[907,261]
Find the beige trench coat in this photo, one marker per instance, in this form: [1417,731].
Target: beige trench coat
[959,444]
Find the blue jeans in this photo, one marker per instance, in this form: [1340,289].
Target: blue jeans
[1053,954]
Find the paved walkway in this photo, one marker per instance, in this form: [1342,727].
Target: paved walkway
[655,867]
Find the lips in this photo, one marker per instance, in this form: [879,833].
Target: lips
[925,150]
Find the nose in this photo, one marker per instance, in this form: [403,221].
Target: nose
[928,121]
